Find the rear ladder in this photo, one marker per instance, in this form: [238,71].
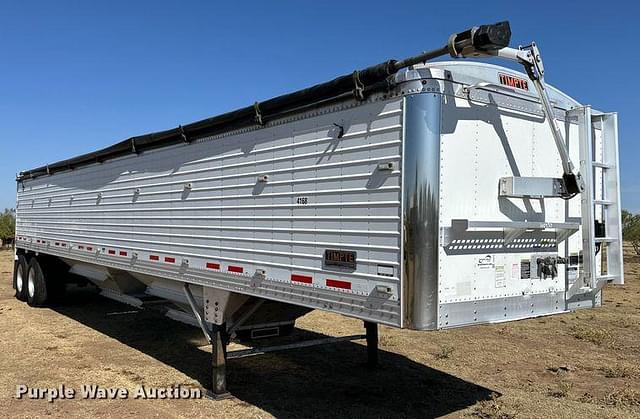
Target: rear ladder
[600,202]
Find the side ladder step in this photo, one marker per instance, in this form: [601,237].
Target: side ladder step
[605,239]
[607,277]
[602,165]
[603,202]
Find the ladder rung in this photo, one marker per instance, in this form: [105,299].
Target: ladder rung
[602,165]
[607,277]
[605,239]
[602,202]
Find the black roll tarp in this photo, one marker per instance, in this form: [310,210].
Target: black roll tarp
[370,79]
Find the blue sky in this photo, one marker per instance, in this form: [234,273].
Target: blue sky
[76,75]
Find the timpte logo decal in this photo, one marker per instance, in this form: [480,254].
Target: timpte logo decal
[513,81]
[342,258]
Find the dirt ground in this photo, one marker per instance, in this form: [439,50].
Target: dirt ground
[583,364]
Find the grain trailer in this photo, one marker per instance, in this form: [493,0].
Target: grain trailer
[414,194]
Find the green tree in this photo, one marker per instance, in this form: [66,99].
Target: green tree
[7,223]
[631,229]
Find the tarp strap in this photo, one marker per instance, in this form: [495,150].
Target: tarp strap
[358,91]
[183,135]
[256,108]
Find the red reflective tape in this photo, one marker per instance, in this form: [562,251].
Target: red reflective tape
[237,269]
[57,243]
[154,257]
[123,253]
[169,259]
[301,278]
[211,265]
[81,247]
[112,252]
[64,244]
[89,248]
[338,284]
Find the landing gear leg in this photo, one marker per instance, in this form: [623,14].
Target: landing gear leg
[218,361]
[372,343]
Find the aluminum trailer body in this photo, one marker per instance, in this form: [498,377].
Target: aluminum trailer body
[433,204]
[254,211]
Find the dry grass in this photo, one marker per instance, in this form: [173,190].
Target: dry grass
[445,352]
[386,341]
[619,371]
[562,390]
[592,334]
[492,409]
[625,397]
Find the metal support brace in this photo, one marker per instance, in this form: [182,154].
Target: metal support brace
[196,312]
[372,343]
[531,187]
[243,353]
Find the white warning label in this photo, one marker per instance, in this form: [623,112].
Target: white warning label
[515,271]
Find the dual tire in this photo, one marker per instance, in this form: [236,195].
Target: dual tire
[37,294]
[32,285]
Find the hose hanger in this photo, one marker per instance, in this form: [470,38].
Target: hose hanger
[256,108]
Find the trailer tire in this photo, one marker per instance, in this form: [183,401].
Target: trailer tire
[36,284]
[20,269]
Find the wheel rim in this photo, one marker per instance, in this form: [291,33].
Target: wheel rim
[19,280]
[31,283]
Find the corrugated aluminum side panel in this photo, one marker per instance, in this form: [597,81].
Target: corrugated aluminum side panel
[201,210]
